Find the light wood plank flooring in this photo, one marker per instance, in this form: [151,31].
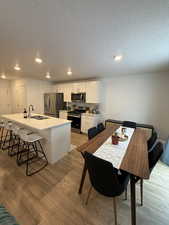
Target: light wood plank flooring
[51,197]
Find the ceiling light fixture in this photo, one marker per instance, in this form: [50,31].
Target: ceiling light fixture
[118,58]
[38,60]
[69,72]
[17,67]
[3,76]
[48,75]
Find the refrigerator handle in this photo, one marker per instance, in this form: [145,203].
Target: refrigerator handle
[49,103]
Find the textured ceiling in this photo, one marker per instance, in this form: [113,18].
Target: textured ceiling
[84,35]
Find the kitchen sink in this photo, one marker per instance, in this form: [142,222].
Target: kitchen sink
[39,117]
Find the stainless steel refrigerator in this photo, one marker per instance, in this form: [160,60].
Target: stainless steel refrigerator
[53,102]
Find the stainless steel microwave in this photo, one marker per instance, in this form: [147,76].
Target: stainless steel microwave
[78,97]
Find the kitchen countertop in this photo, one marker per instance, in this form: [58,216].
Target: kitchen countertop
[34,123]
[91,114]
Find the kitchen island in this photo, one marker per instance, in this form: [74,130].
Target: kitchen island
[56,133]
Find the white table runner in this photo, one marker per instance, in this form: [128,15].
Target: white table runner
[114,153]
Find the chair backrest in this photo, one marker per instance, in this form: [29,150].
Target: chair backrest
[100,127]
[151,141]
[92,132]
[129,124]
[155,155]
[165,155]
[104,177]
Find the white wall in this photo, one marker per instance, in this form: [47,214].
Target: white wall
[140,98]
[28,91]
[35,93]
[5,97]
[18,95]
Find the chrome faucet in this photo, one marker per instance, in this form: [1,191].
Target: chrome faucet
[29,112]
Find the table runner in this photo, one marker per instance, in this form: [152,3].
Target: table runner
[114,153]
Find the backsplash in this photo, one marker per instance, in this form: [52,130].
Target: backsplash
[87,106]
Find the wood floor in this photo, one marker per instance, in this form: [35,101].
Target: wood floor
[51,197]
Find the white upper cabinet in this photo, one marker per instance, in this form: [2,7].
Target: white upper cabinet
[91,88]
[60,88]
[66,89]
[92,92]
[78,87]
[67,92]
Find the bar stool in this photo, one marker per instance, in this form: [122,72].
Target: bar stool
[2,125]
[15,139]
[8,135]
[20,132]
[33,152]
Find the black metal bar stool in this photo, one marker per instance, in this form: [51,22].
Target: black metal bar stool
[2,125]
[7,135]
[30,151]
[15,139]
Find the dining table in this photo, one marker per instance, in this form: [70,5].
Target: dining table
[135,160]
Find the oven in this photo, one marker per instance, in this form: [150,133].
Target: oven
[76,121]
[75,117]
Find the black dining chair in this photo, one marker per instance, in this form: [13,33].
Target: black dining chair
[153,157]
[92,132]
[129,124]
[109,122]
[105,179]
[151,141]
[100,127]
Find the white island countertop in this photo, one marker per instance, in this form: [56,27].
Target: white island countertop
[51,122]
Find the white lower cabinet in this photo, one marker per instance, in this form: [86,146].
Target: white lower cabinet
[63,114]
[89,120]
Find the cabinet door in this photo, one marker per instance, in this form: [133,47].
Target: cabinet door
[78,87]
[92,92]
[75,88]
[84,127]
[67,92]
[19,99]
[60,88]
[86,123]
[5,104]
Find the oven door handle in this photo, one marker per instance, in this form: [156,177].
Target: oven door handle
[74,116]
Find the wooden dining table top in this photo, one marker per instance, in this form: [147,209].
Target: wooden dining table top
[135,160]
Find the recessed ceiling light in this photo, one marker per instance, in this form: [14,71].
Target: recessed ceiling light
[118,57]
[69,72]
[38,60]
[17,67]
[3,76]
[48,75]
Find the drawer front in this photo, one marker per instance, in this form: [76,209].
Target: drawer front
[87,119]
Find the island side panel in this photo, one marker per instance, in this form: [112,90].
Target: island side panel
[46,143]
[60,142]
